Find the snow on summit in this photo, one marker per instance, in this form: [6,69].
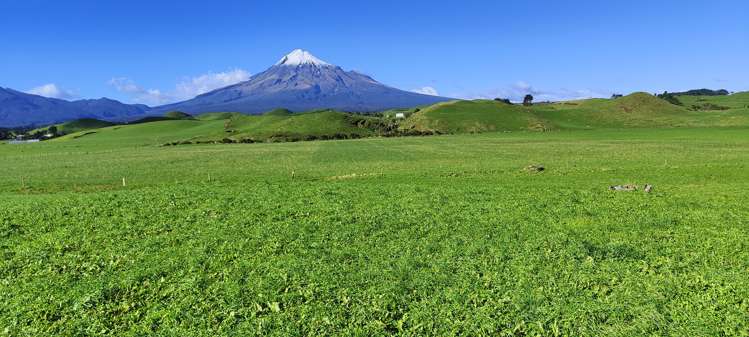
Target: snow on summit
[301,82]
[299,57]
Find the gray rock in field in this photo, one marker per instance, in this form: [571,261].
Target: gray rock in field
[536,168]
[623,188]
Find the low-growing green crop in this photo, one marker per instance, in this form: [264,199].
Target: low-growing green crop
[443,235]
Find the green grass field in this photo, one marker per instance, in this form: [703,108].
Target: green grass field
[442,235]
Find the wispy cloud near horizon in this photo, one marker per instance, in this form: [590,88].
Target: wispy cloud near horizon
[187,88]
[51,90]
[516,91]
[426,91]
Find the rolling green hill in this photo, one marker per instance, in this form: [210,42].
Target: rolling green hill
[473,116]
[169,116]
[274,126]
[638,110]
[177,115]
[282,125]
[212,116]
[635,110]
[150,133]
[735,101]
[77,125]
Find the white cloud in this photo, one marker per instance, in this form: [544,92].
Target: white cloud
[51,90]
[426,91]
[188,88]
[139,94]
[515,92]
[191,87]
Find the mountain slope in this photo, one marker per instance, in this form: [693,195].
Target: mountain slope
[22,109]
[301,82]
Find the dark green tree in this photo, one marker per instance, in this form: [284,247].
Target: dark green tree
[528,100]
[671,98]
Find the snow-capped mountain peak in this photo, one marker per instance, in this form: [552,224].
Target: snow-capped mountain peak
[301,82]
[299,57]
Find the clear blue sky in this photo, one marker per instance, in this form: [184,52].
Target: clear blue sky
[459,48]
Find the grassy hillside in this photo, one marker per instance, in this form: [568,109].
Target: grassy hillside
[82,125]
[212,116]
[148,134]
[418,236]
[177,115]
[638,110]
[76,126]
[88,126]
[735,101]
[274,126]
[473,116]
[283,125]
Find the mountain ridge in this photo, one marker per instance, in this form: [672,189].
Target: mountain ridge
[20,109]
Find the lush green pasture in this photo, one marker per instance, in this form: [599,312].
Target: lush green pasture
[734,101]
[638,110]
[442,235]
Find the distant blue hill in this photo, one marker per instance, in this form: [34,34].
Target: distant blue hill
[302,82]
[19,109]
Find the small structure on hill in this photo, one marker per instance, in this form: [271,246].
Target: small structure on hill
[400,115]
[23,141]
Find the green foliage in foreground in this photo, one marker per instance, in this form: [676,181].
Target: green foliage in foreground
[438,236]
